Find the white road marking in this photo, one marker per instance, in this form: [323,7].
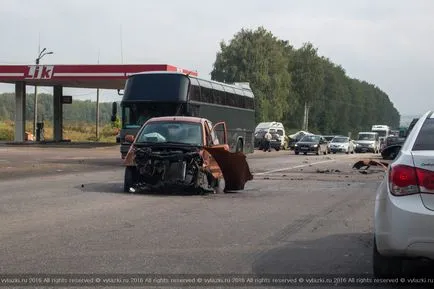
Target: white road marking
[291,168]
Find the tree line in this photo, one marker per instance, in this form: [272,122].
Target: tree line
[287,81]
[80,111]
[284,79]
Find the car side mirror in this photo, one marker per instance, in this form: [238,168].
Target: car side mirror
[129,138]
[114,111]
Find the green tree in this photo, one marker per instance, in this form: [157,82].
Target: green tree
[308,77]
[285,79]
[260,58]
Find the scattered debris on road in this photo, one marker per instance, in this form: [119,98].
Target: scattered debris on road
[327,171]
[363,165]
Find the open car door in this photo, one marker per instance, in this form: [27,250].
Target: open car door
[234,166]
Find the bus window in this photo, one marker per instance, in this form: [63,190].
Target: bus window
[195,93]
[249,103]
[239,98]
[229,99]
[217,97]
[206,95]
[219,94]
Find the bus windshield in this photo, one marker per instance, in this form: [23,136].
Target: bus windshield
[156,87]
[134,115]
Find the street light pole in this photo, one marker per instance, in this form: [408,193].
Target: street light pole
[35,108]
[97,110]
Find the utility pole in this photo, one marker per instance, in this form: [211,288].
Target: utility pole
[305,117]
[35,101]
[35,104]
[97,108]
[35,109]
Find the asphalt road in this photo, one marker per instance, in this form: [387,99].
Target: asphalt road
[300,215]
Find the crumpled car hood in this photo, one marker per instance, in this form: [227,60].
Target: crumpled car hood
[234,167]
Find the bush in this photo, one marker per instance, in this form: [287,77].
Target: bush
[6,131]
[109,131]
[116,123]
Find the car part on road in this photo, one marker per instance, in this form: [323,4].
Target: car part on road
[364,165]
[236,171]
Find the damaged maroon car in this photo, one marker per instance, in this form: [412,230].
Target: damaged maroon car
[183,154]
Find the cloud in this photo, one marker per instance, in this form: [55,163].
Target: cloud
[387,43]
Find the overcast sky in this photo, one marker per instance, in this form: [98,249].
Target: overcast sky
[387,43]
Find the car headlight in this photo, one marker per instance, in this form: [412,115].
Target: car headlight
[296,145]
[315,146]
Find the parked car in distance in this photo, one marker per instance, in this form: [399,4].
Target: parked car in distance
[329,139]
[276,129]
[341,144]
[296,137]
[404,206]
[311,144]
[367,142]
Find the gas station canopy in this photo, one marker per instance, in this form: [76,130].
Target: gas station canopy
[60,76]
[79,76]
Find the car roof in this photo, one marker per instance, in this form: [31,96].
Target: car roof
[178,118]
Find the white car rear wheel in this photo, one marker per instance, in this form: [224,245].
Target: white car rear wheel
[386,267]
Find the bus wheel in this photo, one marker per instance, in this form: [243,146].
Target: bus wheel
[240,147]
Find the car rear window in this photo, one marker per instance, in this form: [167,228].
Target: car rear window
[425,138]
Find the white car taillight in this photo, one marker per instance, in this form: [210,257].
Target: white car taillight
[407,180]
[403,180]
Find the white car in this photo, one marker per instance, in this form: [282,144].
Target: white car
[404,205]
[341,144]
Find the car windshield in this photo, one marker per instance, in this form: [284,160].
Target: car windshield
[310,138]
[340,139]
[178,132]
[366,136]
